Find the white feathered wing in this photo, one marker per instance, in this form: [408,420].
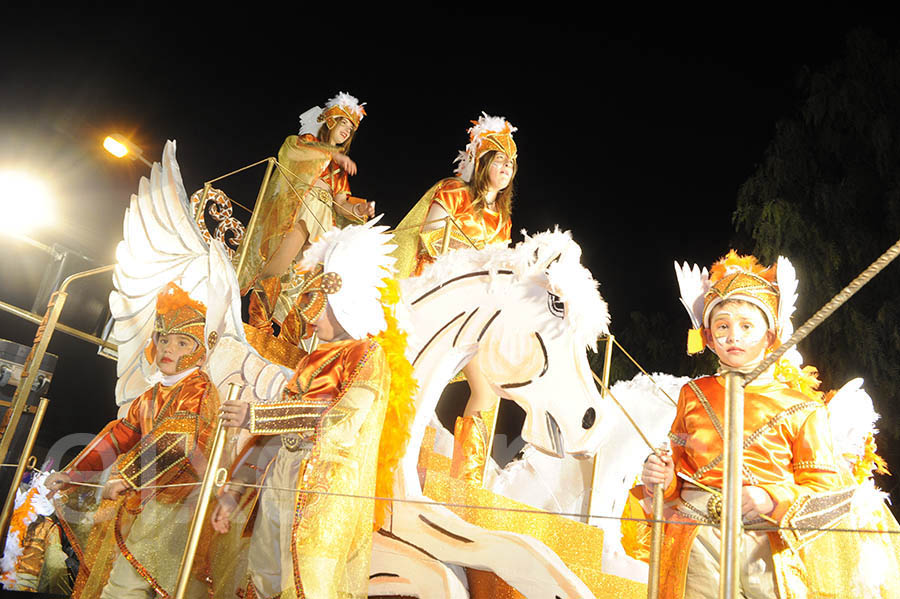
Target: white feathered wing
[161,244]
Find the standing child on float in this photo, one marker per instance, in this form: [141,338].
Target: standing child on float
[159,449]
[740,312]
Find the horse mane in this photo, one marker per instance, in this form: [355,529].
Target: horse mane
[551,257]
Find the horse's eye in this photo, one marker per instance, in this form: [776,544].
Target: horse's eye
[556,305]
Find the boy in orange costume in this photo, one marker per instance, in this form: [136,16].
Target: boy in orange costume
[323,436]
[135,546]
[787,451]
[792,476]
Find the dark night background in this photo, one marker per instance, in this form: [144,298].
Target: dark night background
[637,138]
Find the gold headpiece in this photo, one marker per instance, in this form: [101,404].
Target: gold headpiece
[177,313]
[733,277]
[488,133]
[312,300]
[342,105]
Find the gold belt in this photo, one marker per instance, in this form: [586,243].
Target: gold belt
[704,506]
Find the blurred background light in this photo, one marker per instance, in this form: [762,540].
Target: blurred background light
[25,203]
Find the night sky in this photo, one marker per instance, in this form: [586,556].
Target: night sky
[634,137]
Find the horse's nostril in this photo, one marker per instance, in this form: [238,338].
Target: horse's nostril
[588,421]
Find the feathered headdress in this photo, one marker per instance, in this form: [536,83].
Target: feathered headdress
[351,265]
[486,134]
[342,105]
[772,289]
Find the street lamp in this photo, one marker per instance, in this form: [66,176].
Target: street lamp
[120,146]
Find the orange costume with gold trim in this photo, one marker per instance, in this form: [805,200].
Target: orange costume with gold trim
[332,175]
[162,440]
[325,432]
[787,452]
[479,229]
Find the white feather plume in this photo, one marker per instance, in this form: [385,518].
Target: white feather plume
[360,254]
[852,417]
[309,121]
[693,283]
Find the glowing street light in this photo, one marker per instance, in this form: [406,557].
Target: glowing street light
[120,146]
[24,203]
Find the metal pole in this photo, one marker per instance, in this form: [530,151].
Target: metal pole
[656,538]
[20,471]
[593,498]
[729,558]
[251,226]
[209,477]
[36,356]
[445,242]
[34,318]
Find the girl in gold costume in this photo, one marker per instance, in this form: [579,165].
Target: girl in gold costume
[131,547]
[791,475]
[478,204]
[308,195]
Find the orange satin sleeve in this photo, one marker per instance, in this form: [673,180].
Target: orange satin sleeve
[118,437]
[333,175]
[318,380]
[813,465]
[677,440]
[787,440]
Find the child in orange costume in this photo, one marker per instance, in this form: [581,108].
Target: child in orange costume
[741,311]
[135,545]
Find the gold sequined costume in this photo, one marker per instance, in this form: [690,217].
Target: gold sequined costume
[324,435]
[132,547]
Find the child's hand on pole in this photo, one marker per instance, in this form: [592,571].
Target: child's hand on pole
[235,413]
[658,469]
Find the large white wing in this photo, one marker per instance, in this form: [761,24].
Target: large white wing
[161,244]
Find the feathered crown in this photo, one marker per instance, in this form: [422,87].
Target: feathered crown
[351,265]
[772,289]
[342,105]
[486,134]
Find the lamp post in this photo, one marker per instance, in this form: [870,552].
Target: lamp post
[120,146]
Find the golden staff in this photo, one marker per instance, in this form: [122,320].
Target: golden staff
[209,477]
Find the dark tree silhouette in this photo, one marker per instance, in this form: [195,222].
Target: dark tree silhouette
[827,195]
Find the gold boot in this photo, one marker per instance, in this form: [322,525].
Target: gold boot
[472,437]
[262,303]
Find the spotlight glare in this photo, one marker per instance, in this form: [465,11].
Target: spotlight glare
[24,203]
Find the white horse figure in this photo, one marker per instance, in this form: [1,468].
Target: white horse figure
[564,484]
[527,315]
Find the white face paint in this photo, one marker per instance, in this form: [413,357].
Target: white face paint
[740,334]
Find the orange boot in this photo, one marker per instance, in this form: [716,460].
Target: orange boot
[471,443]
[262,303]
